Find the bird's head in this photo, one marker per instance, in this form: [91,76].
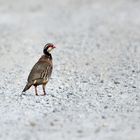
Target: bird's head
[48,48]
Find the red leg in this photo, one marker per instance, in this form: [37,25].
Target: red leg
[36,91]
[44,89]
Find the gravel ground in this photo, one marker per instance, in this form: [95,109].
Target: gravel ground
[94,92]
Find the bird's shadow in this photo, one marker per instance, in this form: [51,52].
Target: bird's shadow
[31,95]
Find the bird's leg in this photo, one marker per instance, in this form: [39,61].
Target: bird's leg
[36,91]
[44,89]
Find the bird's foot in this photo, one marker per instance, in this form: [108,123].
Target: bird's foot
[43,94]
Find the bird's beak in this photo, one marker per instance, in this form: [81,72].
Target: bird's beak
[54,47]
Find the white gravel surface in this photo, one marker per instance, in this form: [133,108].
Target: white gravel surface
[94,93]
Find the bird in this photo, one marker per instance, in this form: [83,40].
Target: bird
[41,71]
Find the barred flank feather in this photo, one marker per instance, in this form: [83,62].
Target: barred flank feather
[27,87]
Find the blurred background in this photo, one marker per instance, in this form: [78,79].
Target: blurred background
[94,90]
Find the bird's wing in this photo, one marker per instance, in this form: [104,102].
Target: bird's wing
[39,71]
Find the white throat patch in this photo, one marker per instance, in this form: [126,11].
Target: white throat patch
[49,49]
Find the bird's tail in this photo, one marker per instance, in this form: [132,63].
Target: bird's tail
[28,85]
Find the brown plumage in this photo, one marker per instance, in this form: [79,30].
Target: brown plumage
[41,71]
